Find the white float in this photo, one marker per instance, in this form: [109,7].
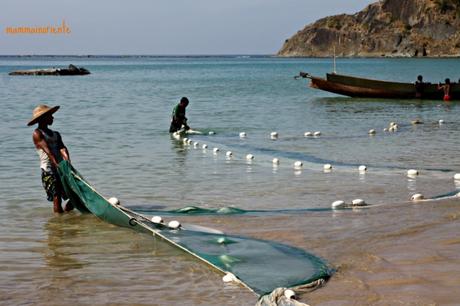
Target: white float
[298,164]
[372,132]
[114,201]
[274,135]
[229,278]
[385,129]
[308,134]
[358,202]
[196,144]
[229,154]
[338,204]
[249,157]
[189,142]
[318,133]
[289,294]
[216,150]
[204,146]
[243,135]
[417,197]
[327,167]
[362,168]
[441,121]
[457,177]
[157,219]
[276,161]
[412,172]
[174,224]
[211,133]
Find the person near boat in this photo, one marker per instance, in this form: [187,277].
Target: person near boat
[419,87]
[178,120]
[51,150]
[446,88]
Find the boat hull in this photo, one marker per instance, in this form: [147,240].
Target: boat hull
[369,88]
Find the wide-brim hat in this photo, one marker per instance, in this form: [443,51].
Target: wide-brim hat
[40,111]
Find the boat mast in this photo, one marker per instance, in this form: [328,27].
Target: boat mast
[335,70]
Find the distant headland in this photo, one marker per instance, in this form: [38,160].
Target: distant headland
[389,28]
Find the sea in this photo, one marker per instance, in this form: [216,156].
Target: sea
[115,124]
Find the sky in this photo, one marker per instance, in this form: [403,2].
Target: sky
[161,27]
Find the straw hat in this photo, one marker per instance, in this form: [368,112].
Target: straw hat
[40,111]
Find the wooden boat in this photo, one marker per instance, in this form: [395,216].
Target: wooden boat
[71,70]
[369,88]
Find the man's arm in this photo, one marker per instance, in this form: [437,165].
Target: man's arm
[40,143]
[63,149]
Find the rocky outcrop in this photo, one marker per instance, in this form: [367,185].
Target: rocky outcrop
[392,28]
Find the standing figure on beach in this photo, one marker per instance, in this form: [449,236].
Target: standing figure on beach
[51,151]
[419,87]
[446,88]
[178,116]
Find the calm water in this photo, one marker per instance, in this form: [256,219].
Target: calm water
[115,124]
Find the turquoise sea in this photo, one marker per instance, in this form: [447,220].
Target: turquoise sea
[115,123]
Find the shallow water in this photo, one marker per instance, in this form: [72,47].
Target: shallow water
[115,123]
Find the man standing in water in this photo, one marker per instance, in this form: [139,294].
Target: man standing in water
[51,151]
[178,116]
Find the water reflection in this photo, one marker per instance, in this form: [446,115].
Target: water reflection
[62,232]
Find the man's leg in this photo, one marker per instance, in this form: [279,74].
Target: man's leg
[57,204]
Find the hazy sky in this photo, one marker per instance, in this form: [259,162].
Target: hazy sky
[162,26]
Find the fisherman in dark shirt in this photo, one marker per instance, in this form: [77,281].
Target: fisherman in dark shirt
[178,116]
[419,87]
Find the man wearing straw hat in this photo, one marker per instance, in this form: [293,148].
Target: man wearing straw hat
[51,151]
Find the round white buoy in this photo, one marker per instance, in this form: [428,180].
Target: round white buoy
[298,164]
[385,129]
[318,133]
[289,294]
[114,201]
[457,177]
[216,150]
[211,133]
[327,167]
[174,224]
[372,132]
[412,172]
[392,123]
[229,278]
[229,154]
[249,157]
[417,197]
[338,204]
[205,146]
[157,219]
[189,141]
[441,121]
[196,144]
[362,168]
[185,140]
[243,135]
[274,135]
[358,202]
[276,161]
[308,134]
